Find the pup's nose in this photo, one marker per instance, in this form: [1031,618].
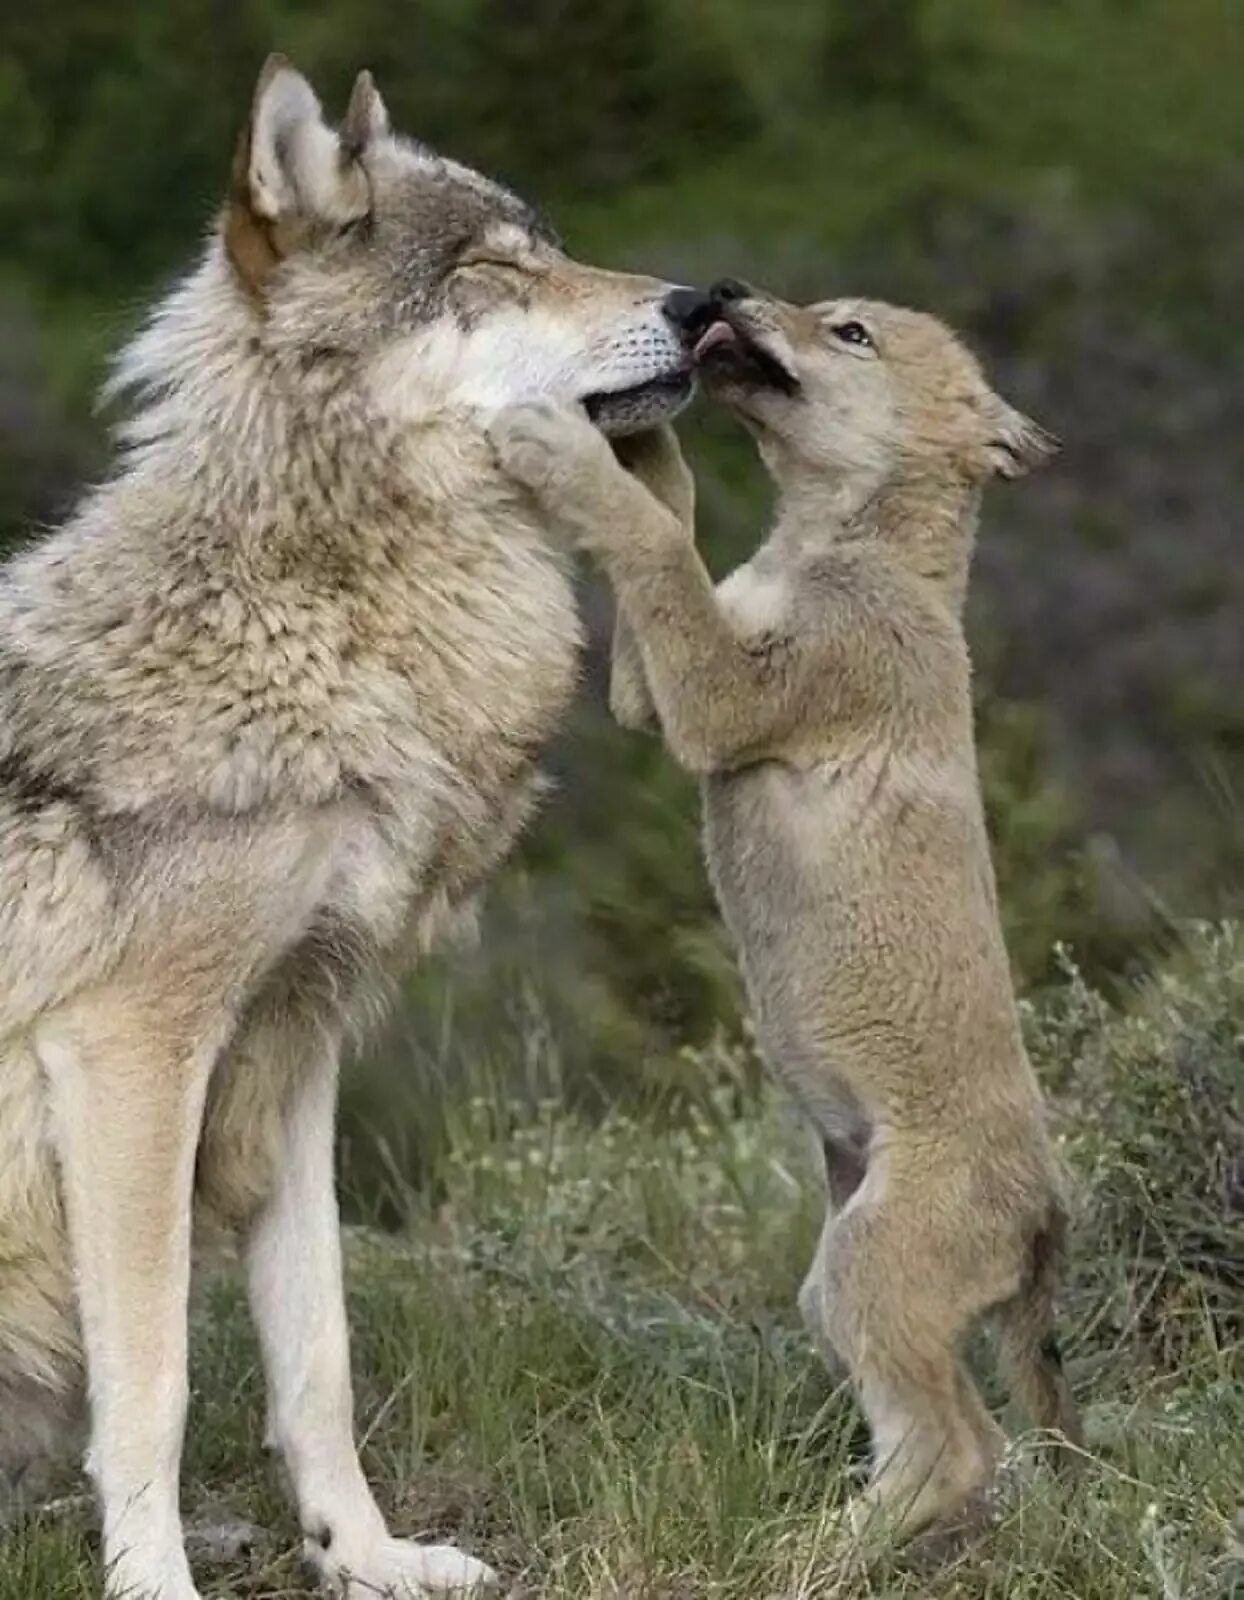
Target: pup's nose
[727,289]
[690,310]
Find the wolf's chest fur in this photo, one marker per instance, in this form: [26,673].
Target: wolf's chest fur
[398,668]
[457,674]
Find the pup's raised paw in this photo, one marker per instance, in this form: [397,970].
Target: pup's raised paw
[542,444]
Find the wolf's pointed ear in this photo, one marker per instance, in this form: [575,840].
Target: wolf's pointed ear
[1016,444]
[298,165]
[367,117]
[291,172]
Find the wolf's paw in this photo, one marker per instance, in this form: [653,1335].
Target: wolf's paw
[399,1569]
[544,445]
[126,1580]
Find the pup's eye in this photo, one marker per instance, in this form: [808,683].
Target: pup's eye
[854,333]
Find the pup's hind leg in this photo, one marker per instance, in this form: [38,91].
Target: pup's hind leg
[812,1306]
[845,1167]
[895,1306]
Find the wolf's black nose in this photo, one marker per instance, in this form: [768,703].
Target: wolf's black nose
[690,310]
[727,289]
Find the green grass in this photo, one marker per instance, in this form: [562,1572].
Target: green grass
[580,1357]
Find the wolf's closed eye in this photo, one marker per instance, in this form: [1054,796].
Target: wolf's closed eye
[498,263]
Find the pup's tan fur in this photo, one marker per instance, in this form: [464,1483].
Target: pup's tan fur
[822,693]
[270,707]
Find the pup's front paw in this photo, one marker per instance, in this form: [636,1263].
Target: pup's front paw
[544,445]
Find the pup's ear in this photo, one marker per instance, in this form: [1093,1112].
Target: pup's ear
[292,172]
[1016,444]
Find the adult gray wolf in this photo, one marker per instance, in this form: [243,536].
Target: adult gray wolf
[270,705]
[822,694]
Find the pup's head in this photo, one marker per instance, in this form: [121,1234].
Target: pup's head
[858,389]
[453,292]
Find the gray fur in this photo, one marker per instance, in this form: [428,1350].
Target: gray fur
[271,704]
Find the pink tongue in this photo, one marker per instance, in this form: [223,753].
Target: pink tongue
[717,333]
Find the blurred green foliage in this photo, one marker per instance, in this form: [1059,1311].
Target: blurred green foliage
[1061,178]
[1150,1095]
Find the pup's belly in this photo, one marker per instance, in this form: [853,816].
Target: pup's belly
[776,860]
[864,914]
[783,849]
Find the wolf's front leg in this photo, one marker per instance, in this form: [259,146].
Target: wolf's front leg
[294,1271]
[127,1104]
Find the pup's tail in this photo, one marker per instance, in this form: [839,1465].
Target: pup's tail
[1030,1345]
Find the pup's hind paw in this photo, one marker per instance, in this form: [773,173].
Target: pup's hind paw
[544,445]
[399,1569]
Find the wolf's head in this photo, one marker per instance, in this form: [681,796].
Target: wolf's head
[859,390]
[448,288]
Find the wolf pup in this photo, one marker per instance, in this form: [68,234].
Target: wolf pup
[821,693]
[270,704]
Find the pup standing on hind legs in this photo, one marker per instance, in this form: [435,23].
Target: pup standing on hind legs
[822,694]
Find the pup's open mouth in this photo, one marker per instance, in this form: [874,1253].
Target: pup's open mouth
[727,351]
[621,411]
